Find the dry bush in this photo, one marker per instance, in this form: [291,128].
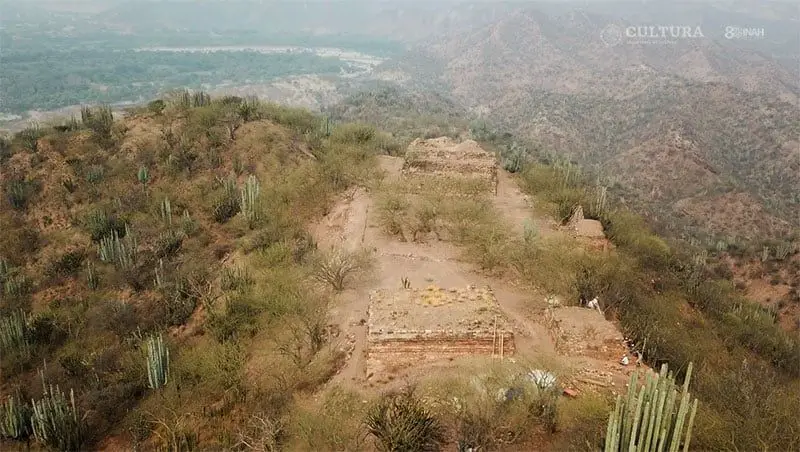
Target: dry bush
[582,422]
[263,434]
[336,267]
[392,214]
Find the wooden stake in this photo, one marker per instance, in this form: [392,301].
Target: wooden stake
[494,337]
[502,334]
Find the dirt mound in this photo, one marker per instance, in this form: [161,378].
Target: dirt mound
[444,166]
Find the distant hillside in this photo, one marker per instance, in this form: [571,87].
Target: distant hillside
[406,113]
[620,107]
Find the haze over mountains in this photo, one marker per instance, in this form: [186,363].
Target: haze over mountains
[718,115]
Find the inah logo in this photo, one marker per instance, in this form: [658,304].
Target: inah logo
[611,35]
[732,32]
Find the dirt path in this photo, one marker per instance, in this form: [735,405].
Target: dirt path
[352,224]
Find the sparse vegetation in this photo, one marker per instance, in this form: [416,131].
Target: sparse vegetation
[153,268]
[261,342]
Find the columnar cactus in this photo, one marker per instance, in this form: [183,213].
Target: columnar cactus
[120,252]
[14,333]
[157,362]
[647,419]
[600,200]
[144,177]
[251,207]
[91,276]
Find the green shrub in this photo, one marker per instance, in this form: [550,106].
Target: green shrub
[238,319]
[67,265]
[353,134]
[168,244]
[19,193]
[157,106]
[100,121]
[29,137]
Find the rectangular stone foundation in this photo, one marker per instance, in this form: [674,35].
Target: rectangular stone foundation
[443,167]
[411,327]
[389,354]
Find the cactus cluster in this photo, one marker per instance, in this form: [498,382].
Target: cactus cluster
[119,251]
[647,419]
[55,422]
[166,212]
[159,279]
[570,174]
[157,362]
[14,333]
[15,418]
[600,201]
[783,250]
[230,203]
[16,286]
[251,205]
[186,99]
[12,283]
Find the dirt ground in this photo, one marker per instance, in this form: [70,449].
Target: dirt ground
[581,343]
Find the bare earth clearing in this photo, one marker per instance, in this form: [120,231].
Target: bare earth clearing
[438,319]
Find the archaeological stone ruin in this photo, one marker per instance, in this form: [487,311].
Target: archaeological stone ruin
[408,327]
